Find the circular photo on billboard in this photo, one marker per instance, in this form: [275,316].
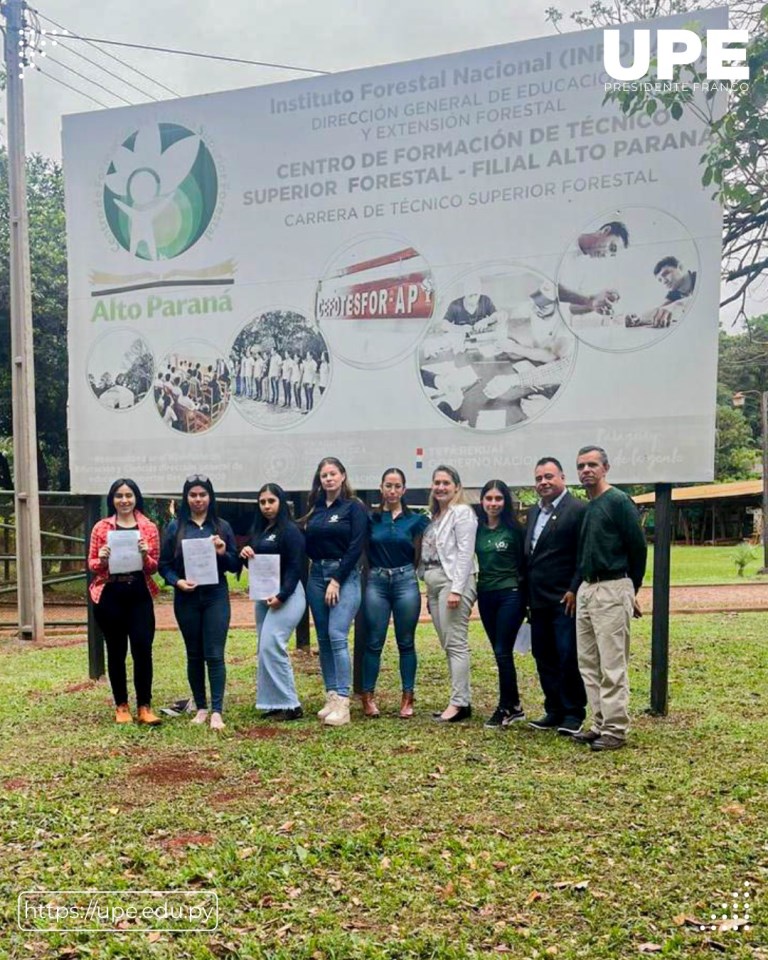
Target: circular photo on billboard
[120,369]
[192,387]
[374,301]
[497,353]
[281,369]
[628,279]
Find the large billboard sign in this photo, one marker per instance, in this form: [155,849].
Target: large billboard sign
[469,259]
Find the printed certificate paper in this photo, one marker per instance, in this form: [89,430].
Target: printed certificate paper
[263,576]
[200,561]
[124,556]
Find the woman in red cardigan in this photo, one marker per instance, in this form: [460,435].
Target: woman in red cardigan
[122,600]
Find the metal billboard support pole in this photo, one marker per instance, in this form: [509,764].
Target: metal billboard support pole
[29,568]
[662,539]
[91,516]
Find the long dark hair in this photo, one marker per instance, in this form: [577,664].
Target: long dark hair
[316,492]
[184,514]
[379,508]
[124,481]
[507,516]
[283,517]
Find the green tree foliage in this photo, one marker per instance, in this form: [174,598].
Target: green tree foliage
[48,254]
[743,366]
[734,445]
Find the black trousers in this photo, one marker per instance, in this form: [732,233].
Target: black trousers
[502,613]
[553,644]
[203,617]
[125,612]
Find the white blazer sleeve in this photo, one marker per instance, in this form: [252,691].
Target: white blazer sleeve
[464,528]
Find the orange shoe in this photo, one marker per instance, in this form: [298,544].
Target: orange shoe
[123,713]
[148,717]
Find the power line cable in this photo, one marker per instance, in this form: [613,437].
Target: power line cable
[110,72]
[96,83]
[114,57]
[189,53]
[64,83]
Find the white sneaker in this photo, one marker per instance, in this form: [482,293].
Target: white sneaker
[330,703]
[340,713]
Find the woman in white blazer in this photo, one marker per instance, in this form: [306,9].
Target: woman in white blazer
[448,570]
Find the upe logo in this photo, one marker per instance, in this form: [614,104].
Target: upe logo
[678,48]
[160,191]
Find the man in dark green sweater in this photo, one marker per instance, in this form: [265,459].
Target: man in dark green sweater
[612,555]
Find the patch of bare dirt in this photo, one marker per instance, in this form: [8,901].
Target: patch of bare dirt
[184,840]
[172,771]
[237,793]
[9,643]
[15,783]
[260,733]
[78,687]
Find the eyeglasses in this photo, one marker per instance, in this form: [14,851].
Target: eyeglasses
[197,478]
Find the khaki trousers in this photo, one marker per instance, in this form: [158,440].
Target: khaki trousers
[452,628]
[603,618]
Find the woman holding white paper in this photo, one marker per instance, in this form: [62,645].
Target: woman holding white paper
[202,608]
[122,601]
[280,600]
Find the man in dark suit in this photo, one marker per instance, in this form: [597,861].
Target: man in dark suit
[551,549]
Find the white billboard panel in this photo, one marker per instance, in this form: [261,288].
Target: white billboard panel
[468,259]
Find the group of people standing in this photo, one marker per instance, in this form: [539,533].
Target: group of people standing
[189,396]
[283,380]
[574,571]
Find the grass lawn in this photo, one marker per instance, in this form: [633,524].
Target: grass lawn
[708,565]
[392,839]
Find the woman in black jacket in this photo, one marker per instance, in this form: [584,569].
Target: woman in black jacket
[335,529]
[278,615]
[202,612]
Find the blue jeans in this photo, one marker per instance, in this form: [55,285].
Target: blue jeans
[332,624]
[502,613]
[392,592]
[203,618]
[275,686]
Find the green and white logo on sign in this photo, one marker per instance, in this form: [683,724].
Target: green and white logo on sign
[160,191]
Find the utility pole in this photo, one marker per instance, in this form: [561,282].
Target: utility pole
[29,569]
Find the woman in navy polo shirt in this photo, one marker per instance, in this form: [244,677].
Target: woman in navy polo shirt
[202,612]
[394,536]
[335,528]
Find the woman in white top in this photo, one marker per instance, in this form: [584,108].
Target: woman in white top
[448,570]
[275,374]
[296,377]
[309,374]
[323,374]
